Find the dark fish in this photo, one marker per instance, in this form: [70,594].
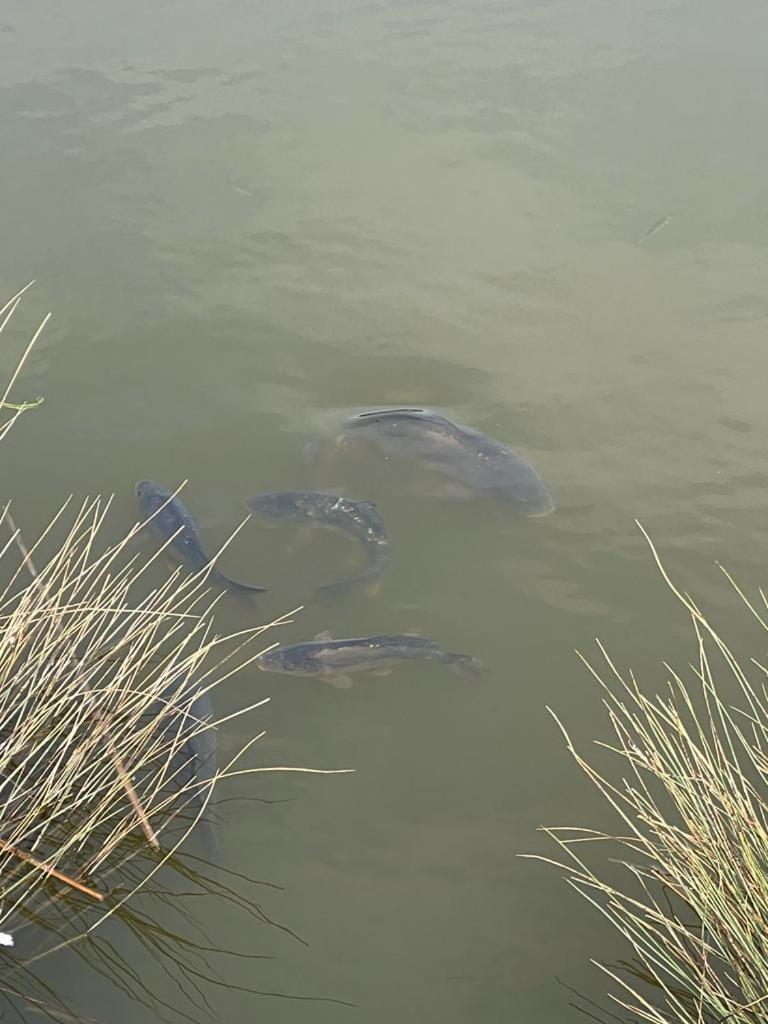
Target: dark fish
[478,462]
[360,519]
[335,660]
[185,715]
[168,517]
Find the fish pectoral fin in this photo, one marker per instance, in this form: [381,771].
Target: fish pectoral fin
[139,538]
[452,490]
[339,680]
[303,534]
[323,635]
[384,671]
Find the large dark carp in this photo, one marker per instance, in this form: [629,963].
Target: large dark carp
[477,462]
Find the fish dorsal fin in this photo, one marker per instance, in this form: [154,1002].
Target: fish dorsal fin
[366,506]
[388,637]
[323,635]
[390,412]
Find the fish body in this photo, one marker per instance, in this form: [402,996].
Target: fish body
[358,519]
[186,715]
[336,660]
[479,463]
[168,518]
[188,718]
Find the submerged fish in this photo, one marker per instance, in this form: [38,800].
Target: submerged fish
[359,519]
[657,226]
[477,462]
[334,660]
[183,714]
[168,517]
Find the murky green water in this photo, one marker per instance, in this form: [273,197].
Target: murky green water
[249,217]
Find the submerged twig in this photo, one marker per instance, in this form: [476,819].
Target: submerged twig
[54,872]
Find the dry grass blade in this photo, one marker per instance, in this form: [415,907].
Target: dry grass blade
[69,715]
[693,806]
[99,721]
[6,313]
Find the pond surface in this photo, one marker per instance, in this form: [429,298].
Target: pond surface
[548,219]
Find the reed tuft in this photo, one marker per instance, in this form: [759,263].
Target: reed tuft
[691,793]
[105,678]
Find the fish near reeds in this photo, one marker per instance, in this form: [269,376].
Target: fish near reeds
[184,717]
[171,521]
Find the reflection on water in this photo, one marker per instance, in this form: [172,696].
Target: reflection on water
[62,971]
[250,218]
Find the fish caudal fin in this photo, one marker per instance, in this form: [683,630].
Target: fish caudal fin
[236,587]
[337,590]
[368,581]
[209,838]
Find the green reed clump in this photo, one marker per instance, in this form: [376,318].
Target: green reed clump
[691,793]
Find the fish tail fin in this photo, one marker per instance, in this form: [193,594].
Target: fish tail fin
[206,832]
[337,590]
[369,577]
[243,589]
[342,588]
[209,838]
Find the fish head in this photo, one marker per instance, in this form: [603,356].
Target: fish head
[151,496]
[543,506]
[276,659]
[530,495]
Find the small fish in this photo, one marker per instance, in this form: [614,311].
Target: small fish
[477,462]
[660,224]
[359,519]
[335,660]
[168,517]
